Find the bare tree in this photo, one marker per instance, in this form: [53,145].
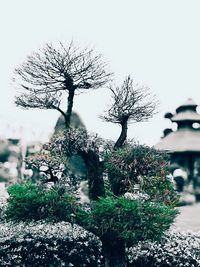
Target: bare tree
[130,103]
[51,71]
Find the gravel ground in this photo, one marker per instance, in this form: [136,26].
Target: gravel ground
[189,218]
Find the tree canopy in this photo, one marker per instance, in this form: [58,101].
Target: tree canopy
[130,103]
[55,69]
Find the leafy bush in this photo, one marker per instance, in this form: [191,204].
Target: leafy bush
[114,218]
[43,245]
[61,244]
[177,249]
[29,201]
[138,164]
[130,220]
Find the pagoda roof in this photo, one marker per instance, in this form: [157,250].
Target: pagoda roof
[182,140]
[187,115]
[189,103]
[186,112]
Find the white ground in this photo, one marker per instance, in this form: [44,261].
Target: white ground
[189,218]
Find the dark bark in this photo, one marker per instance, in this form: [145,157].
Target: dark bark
[123,135]
[70,100]
[53,178]
[113,251]
[116,184]
[64,115]
[95,174]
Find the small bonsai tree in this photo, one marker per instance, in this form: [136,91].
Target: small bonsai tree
[119,219]
[116,214]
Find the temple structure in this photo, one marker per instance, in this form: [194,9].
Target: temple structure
[183,144]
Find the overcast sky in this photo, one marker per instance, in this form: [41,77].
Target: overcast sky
[156,42]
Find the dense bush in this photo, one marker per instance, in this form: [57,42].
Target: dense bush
[134,160]
[61,244]
[45,245]
[176,249]
[115,216]
[130,220]
[29,201]
[139,164]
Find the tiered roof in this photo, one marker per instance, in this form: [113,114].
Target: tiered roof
[186,138]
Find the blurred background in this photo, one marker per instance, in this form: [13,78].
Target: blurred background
[156,42]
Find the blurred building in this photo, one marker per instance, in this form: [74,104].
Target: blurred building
[12,165]
[10,160]
[183,145]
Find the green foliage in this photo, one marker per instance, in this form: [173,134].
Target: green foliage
[116,217]
[160,189]
[29,201]
[135,160]
[129,220]
[136,164]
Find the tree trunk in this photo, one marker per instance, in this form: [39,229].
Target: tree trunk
[114,252]
[95,175]
[116,185]
[70,100]
[123,135]
[64,115]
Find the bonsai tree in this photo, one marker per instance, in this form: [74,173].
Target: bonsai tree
[48,74]
[120,219]
[117,214]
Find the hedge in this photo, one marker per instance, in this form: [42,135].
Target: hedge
[62,244]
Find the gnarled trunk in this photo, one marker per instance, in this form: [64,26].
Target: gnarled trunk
[70,100]
[113,252]
[95,175]
[123,135]
[116,185]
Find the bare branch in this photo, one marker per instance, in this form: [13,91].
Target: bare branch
[41,101]
[60,69]
[130,102]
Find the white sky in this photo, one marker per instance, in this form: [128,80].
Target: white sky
[157,42]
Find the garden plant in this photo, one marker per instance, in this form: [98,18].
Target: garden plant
[130,198]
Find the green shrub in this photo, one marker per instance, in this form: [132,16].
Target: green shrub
[29,201]
[138,164]
[130,220]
